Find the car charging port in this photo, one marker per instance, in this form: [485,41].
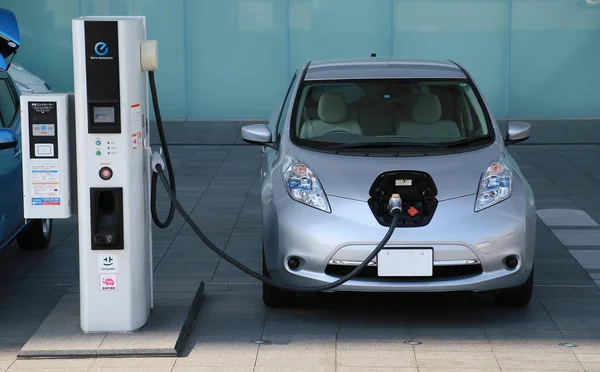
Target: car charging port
[416,202]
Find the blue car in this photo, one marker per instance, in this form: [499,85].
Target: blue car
[31,234]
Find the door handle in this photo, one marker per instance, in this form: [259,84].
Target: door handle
[17,153]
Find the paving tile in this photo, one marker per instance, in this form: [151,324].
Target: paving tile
[463,364]
[575,314]
[309,367]
[373,333]
[565,217]
[7,355]
[589,259]
[131,369]
[589,358]
[52,363]
[134,362]
[588,341]
[449,355]
[196,345]
[376,358]
[358,361]
[463,340]
[533,346]
[306,359]
[299,342]
[591,366]
[218,358]
[449,334]
[213,369]
[376,369]
[4,364]
[375,354]
[63,369]
[372,345]
[535,356]
[421,369]
[279,357]
[540,365]
[529,318]
[578,237]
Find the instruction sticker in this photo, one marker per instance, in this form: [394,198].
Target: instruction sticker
[45,185]
[108,282]
[107,263]
[136,127]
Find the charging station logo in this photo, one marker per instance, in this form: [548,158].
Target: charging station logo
[101,49]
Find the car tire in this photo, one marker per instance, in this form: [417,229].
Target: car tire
[516,297]
[36,235]
[275,297]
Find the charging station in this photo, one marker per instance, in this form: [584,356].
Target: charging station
[117,176]
[113,162]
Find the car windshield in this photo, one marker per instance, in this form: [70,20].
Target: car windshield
[398,114]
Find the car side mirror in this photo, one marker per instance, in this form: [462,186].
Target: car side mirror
[8,140]
[518,131]
[258,134]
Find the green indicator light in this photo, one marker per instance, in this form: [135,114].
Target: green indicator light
[98,153]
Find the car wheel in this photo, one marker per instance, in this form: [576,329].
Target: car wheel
[36,235]
[275,297]
[516,297]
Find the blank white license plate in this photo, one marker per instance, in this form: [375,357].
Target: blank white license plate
[405,262]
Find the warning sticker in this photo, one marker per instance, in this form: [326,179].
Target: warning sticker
[107,263]
[45,185]
[136,127]
[108,282]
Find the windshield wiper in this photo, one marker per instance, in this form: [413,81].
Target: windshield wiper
[367,145]
[467,141]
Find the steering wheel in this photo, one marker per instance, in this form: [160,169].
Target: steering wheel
[339,130]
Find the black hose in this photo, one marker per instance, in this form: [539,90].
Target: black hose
[262,278]
[171,184]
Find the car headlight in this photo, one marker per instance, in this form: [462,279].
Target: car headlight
[23,88]
[303,186]
[495,185]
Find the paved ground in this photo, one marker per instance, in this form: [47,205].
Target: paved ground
[219,185]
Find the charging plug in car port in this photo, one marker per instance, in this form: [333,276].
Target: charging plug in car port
[410,193]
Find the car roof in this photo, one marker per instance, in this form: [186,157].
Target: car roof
[383,68]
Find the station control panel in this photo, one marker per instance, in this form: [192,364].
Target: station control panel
[46,156]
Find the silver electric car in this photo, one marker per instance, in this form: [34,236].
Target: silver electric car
[350,134]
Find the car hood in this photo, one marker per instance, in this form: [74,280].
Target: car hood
[454,175]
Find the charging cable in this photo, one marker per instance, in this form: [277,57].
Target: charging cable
[158,158]
[169,184]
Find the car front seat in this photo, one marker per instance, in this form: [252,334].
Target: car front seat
[426,114]
[333,115]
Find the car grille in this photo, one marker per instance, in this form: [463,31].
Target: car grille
[439,272]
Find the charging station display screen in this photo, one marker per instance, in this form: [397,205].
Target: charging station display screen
[43,139]
[102,76]
[104,115]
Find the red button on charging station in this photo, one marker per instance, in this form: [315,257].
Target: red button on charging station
[106,173]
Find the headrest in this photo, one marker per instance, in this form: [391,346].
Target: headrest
[426,109]
[332,107]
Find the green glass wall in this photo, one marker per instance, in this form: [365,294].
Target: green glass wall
[232,59]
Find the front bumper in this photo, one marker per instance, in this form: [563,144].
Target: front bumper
[350,233]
